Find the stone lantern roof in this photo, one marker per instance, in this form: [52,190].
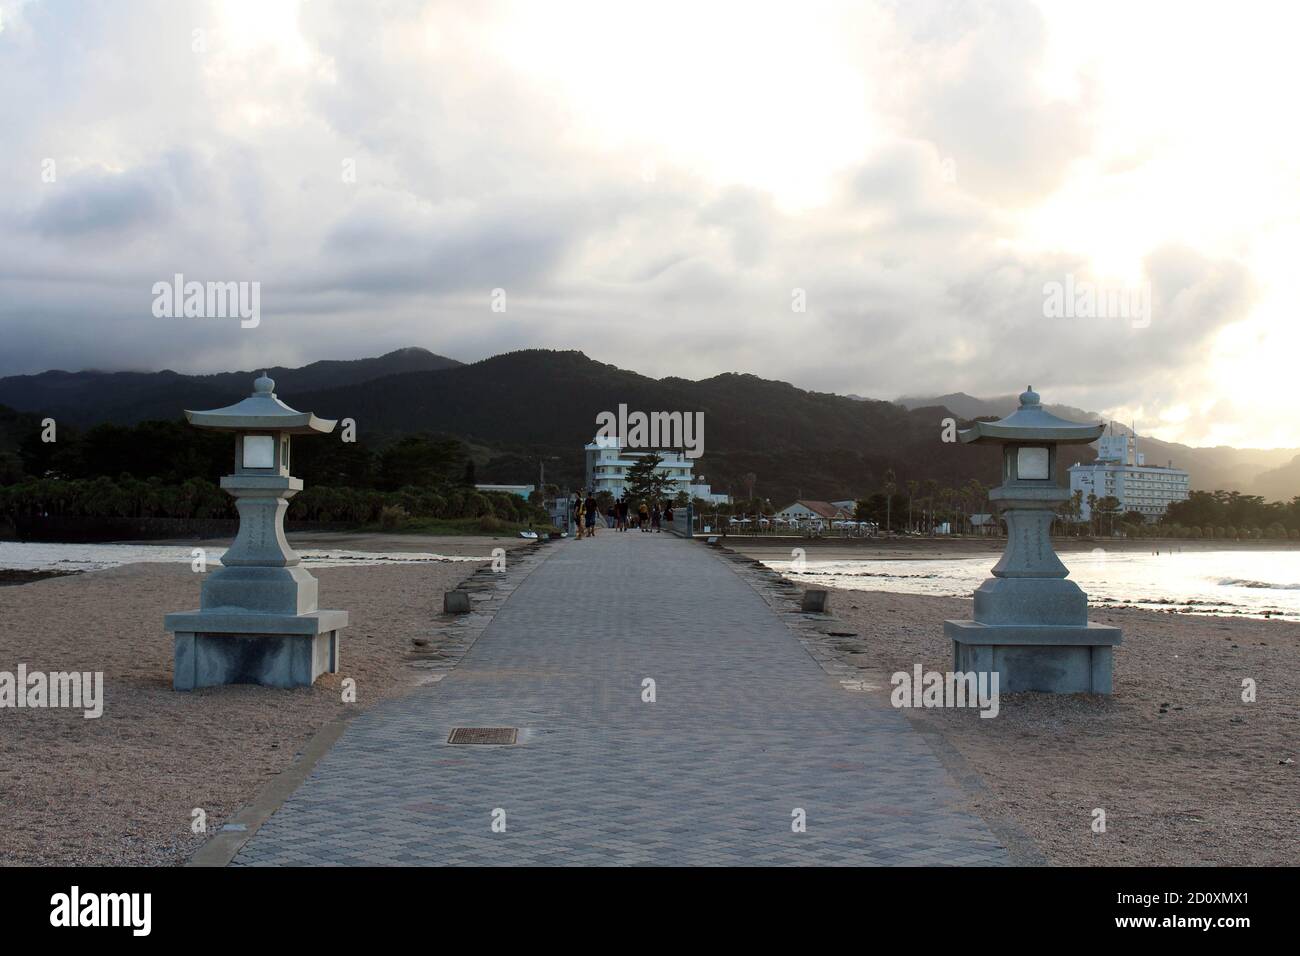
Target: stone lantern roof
[261,411]
[1032,423]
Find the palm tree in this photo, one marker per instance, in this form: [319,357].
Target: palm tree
[912,488]
[931,489]
[1109,506]
[889,488]
[946,497]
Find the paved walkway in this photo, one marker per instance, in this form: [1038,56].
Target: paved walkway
[746,727]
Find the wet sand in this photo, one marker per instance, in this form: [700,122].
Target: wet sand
[13,576]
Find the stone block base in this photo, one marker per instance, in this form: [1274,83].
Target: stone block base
[273,660]
[1053,660]
[235,646]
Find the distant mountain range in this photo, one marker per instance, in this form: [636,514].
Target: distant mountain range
[89,397]
[522,409]
[968,406]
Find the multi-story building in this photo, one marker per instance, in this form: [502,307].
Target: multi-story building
[1121,472]
[608,463]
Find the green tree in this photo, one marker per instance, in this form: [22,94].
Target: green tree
[931,487]
[644,481]
[420,461]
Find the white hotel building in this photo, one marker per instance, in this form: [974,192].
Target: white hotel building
[608,463]
[1121,472]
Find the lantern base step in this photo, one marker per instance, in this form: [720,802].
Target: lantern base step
[274,650]
[1026,657]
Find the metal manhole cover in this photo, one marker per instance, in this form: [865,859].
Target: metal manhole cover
[483,735]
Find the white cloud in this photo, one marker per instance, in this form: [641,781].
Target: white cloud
[650,185]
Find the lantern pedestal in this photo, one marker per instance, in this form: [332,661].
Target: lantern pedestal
[1030,624]
[257,621]
[276,650]
[1053,660]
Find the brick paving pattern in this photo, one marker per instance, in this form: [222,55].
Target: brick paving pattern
[745,728]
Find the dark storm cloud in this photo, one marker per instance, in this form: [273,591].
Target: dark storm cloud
[95,203]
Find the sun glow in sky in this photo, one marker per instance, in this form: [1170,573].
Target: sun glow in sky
[919,169]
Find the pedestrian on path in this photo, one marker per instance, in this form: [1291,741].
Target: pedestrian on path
[655,517]
[643,517]
[592,510]
[576,513]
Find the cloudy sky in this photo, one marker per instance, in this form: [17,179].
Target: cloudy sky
[660,184]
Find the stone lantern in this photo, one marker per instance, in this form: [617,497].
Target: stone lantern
[258,622]
[1031,624]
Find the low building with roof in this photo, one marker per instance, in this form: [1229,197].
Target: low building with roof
[810,510]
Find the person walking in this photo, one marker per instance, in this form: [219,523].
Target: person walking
[655,516]
[643,517]
[592,509]
[577,513]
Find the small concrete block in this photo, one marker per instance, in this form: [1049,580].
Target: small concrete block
[816,600]
[455,602]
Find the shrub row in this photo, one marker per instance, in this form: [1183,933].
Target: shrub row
[128,497]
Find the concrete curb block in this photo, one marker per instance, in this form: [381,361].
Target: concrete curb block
[225,845]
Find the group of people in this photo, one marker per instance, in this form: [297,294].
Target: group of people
[620,516]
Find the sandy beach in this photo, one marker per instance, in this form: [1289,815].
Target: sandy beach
[1187,773]
[121,788]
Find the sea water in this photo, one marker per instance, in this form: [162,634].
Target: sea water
[1247,583]
[35,556]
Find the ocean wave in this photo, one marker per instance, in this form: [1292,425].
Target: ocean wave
[1264,585]
[870,574]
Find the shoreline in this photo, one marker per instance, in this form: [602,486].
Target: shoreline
[1254,581]
[15,577]
[22,562]
[920,549]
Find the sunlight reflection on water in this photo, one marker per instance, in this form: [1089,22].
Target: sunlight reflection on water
[1249,583]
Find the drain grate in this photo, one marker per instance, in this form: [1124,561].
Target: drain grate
[483,735]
